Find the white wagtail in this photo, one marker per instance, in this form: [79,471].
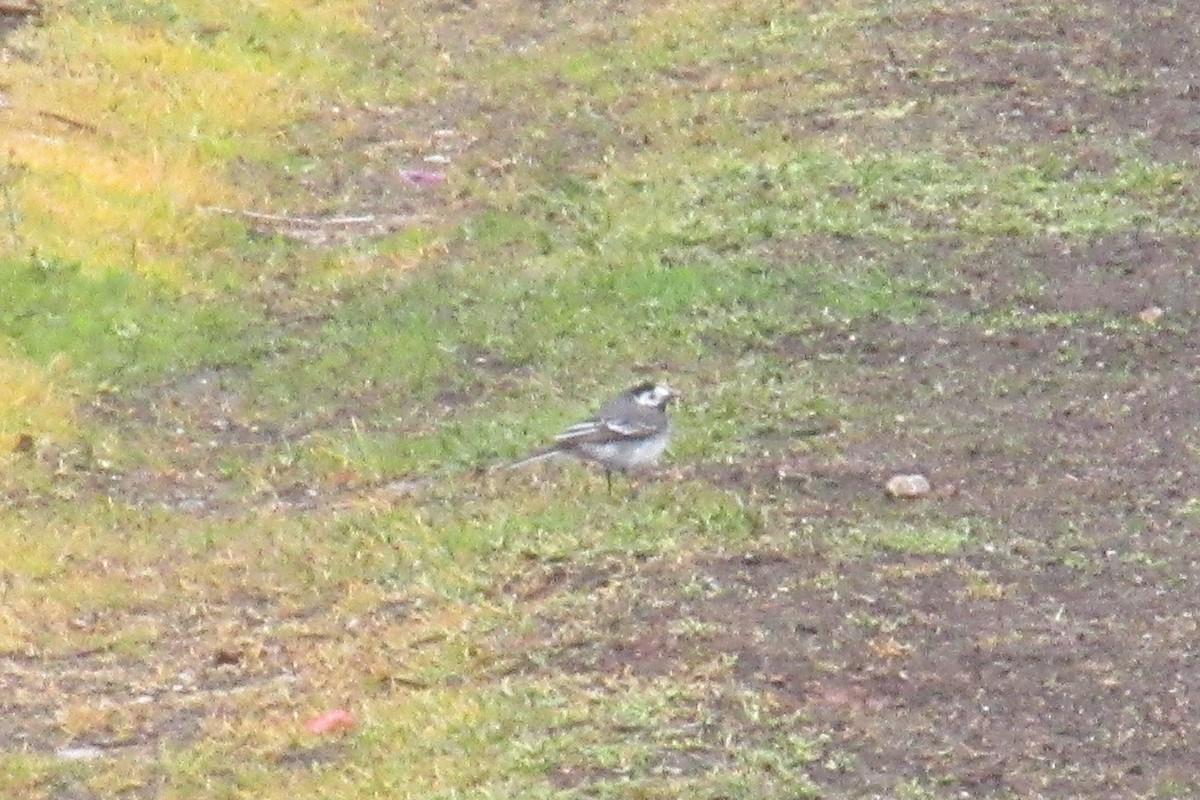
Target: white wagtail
[628,432]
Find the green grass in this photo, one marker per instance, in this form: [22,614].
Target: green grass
[914,538]
[116,326]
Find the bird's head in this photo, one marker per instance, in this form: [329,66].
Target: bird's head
[655,395]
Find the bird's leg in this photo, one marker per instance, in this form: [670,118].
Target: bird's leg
[608,478]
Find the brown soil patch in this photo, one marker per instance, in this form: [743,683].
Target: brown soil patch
[986,675]
[1090,78]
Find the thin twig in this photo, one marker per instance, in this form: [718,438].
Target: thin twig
[64,119]
[54,115]
[363,219]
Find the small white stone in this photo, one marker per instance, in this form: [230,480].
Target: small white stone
[1150,315]
[84,753]
[907,486]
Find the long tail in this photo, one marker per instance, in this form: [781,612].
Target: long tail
[536,455]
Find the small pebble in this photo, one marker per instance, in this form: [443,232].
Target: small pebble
[1150,315]
[907,486]
[84,753]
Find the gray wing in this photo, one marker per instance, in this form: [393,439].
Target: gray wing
[599,430]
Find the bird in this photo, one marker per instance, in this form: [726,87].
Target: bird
[630,431]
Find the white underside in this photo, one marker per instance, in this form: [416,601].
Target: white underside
[626,454]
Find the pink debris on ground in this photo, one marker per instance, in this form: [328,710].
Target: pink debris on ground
[338,719]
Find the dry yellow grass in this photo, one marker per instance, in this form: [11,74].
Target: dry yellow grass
[117,135]
[36,404]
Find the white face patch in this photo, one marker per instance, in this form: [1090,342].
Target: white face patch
[656,396]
